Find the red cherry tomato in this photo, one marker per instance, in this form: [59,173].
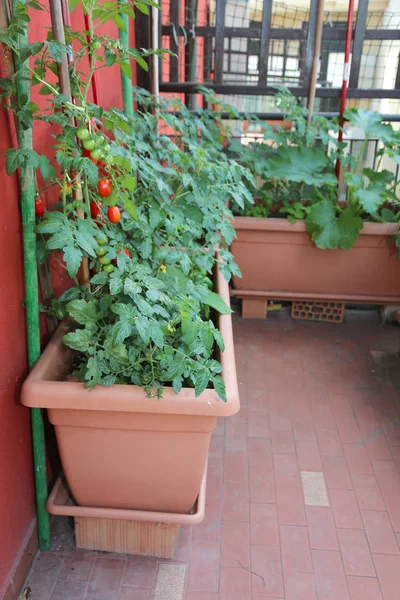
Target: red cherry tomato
[95,209]
[86,153]
[39,208]
[104,187]
[114,260]
[113,214]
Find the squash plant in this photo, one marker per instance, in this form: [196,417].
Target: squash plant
[297,170]
[152,211]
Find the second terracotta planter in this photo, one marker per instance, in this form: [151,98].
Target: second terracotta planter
[278,260]
[121,449]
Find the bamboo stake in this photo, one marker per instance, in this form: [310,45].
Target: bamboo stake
[22,82]
[317,50]
[65,87]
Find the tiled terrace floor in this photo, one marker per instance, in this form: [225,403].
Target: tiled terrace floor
[303,498]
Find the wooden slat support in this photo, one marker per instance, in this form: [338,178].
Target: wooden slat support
[358,41]
[264,42]
[143,40]
[310,42]
[174,27]
[219,41]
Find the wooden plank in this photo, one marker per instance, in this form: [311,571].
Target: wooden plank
[143,40]
[358,41]
[251,90]
[174,36]
[281,33]
[310,42]
[219,41]
[397,82]
[126,537]
[264,42]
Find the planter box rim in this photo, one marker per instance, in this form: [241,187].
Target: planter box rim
[279,224]
[40,391]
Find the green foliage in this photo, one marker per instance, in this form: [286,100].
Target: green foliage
[295,165]
[145,316]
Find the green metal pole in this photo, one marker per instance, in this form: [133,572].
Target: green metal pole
[32,295]
[127,93]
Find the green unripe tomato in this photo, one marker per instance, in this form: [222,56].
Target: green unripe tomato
[100,241]
[89,144]
[83,134]
[101,251]
[108,159]
[96,45]
[96,154]
[106,148]
[104,261]
[108,268]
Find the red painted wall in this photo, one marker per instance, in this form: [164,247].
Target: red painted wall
[16,480]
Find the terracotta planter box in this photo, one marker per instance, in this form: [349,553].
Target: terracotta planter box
[278,260]
[121,449]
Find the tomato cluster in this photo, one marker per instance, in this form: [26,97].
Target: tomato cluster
[107,264]
[97,148]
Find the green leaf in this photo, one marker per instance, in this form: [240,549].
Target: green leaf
[156,334]
[177,384]
[126,69]
[308,165]
[215,301]
[130,207]
[93,372]
[119,22]
[73,258]
[78,340]
[60,239]
[371,198]
[27,51]
[116,284]
[14,160]
[201,383]
[388,216]
[46,168]
[354,180]
[131,288]
[370,122]
[83,312]
[330,231]
[57,49]
[120,331]
[142,326]
[73,4]
[219,387]
[207,337]
[99,278]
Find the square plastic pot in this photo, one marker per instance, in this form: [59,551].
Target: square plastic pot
[121,449]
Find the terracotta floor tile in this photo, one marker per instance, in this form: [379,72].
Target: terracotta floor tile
[140,571]
[283,442]
[286,470]
[236,467]
[329,442]
[69,590]
[258,424]
[209,529]
[364,588]
[368,493]
[308,455]
[323,417]
[356,554]
[295,547]
[300,586]
[377,447]
[341,406]
[380,534]
[260,453]
[345,509]
[262,485]
[236,502]
[387,475]
[348,430]
[203,574]
[321,528]
[357,459]
[290,503]
[303,428]
[235,546]
[267,571]
[44,575]
[77,566]
[388,569]
[392,502]
[264,524]
[135,593]
[329,575]
[106,579]
[336,473]
[235,584]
